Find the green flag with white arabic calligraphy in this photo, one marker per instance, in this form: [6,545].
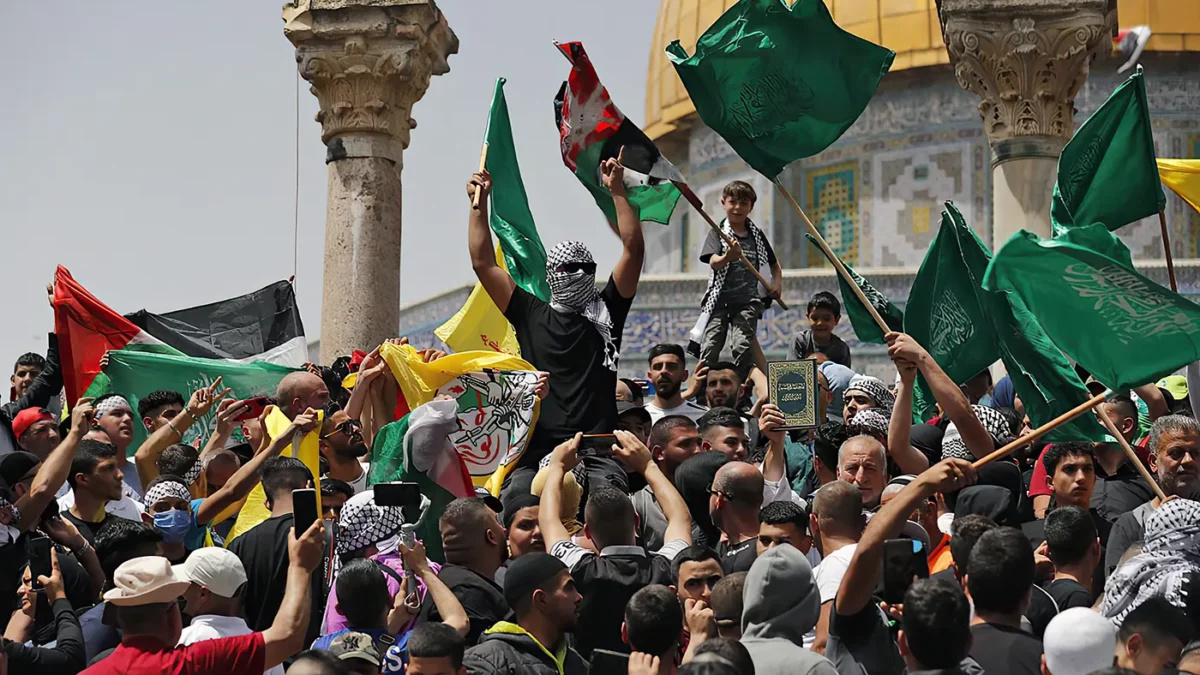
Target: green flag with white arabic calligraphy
[860,318]
[1123,328]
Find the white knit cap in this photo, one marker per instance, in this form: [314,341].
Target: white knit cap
[1079,641]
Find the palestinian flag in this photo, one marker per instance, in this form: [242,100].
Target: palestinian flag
[260,326]
[87,328]
[591,129]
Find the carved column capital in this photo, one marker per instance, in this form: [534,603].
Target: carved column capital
[1026,60]
[368,62]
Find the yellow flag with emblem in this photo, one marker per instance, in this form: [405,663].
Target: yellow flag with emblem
[1183,177]
[480,325]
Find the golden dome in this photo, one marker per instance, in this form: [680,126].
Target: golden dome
[908,27]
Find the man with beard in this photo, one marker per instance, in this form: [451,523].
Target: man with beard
[1175,458]
[342,445]
[723,388]
[475,546]
[668,372]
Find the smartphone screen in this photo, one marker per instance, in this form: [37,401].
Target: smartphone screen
[599,445]
[405,495]
[304,509]
[254,408]
[39,559]
[904,560]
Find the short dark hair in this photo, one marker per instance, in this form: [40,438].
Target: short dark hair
[178,459]
[660,433]
[1055,454]
[327,662]
[731,650]
[363,594]
[1000,571]
[727,597]
[824,300]
[29,360]
[739,189]
[1070,533]
[696,553]
[468,519]
[437,640]
[119,540]
[665,348]
[653,620]
[784,513]
[937,623]
[158,399]
[1128,407]
[827,440]
[710,668]
[726,365]
[634,387]
[965,532]
[719,417]
[1157,621]
[284,474]
[333,486]
[609,515]
[88,456]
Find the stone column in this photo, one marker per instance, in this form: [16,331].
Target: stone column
[368,62]
[1026,60]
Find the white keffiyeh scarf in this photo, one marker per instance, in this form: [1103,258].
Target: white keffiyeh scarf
[1169,557]
[716,281]
[575,293]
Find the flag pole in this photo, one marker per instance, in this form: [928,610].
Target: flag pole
[482,167]
[837,263]
[1162,223]
[1044,429]
[1137,463]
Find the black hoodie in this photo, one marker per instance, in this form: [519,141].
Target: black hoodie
[508,649]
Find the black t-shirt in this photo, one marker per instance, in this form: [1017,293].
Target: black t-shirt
[862,642]
[1119,493]
[569,347]
[263,551]
[87,528]
[739,557]
[1068,593]
[740,285]
[1002,650]
[481,598]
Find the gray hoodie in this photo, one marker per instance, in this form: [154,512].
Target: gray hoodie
[781,604]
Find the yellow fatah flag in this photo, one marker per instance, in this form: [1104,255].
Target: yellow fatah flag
[419,381]
[1182,176]
[255,509]
[480,325]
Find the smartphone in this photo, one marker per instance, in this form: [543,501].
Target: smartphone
[904,560]
[254,407]
[596,445]
[609,662]
[39,559]
[304,509]
[405,495]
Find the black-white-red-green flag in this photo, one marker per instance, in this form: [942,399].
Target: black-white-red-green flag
[591,129]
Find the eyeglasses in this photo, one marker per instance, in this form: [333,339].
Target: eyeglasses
[720,493]
[349,427]
[573,267]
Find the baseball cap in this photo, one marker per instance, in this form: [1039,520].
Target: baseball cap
[146,581]
[1175,384]
[527,573]
[27,418]
[353,645]
[489,499]
[1079,641]
[217,569]
[625,407]
[16,465]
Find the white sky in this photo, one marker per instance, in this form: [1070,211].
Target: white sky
[150,148]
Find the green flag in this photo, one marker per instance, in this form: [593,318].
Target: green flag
[512,220]
[134,374]
[779,83]
[1123,328]
[860,318]
[1107,172]
[967,328]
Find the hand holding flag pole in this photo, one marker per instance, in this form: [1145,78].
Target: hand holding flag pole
[482,167]
[1044,429]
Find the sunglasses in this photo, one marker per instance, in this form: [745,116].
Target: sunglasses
[349,427]
[573,267]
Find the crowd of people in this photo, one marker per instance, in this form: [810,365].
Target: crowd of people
[650,527]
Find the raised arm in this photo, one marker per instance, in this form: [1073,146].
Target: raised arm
[562,460]
[447,604]
[774,466]
[1156,404]
[53,472]
[636,457]
[246,477]
[492,277]
[899,446]
[947,475]
[285,637]
[145,459]
[371,368]
[946,391]
[633,248]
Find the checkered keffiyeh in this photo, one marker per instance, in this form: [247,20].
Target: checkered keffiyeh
[110,404]
[1169,558]
[871,421]
[193,472]
[168,489]
[993,420]
[363,522]
[875,389]
[576,293]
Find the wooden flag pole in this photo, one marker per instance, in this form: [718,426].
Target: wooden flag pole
[1044,429]
[1162,223]
[1137,463]
[837,263]
[482,167]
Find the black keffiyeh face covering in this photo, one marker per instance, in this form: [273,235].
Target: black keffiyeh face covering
[875,389]
[363,522]
[573,290]
[1169,557]
[993,420]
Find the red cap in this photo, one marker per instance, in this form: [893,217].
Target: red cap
[26,418]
